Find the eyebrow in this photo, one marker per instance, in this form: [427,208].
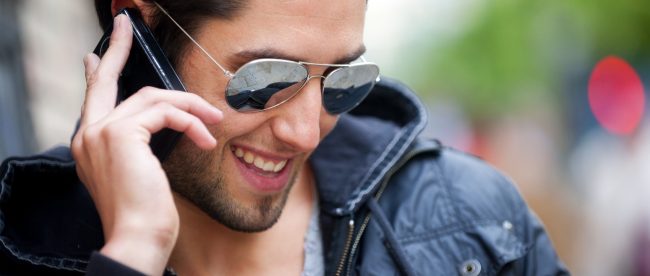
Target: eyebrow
[242,57]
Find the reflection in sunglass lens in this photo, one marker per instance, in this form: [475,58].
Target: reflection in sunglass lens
[346,87]
[264,84]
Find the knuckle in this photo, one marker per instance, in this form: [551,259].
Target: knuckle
[98,79]
[195,121]
[188,100]
[191,122]
[111,131]
[90,135]
[146,93]
[165,107]
[194,97]
[91,79]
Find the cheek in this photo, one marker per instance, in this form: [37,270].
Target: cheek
[200,78]
[234,124]
[327,123]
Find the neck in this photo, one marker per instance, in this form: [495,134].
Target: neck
[206,247]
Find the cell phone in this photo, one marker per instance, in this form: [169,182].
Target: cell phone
[147,65]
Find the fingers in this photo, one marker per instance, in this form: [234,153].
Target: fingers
[155,109]
[91,62]
[102,76]
[118,51]
[152,109]
[141,125]
[189,102]
[165,115]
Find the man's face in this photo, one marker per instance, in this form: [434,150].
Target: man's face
[227,182]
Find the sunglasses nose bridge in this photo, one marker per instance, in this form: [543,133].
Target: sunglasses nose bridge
[306,82]
[310,77]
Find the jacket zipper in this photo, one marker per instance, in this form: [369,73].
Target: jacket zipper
[346,249]
[365,223]
[357,239]
[366,220]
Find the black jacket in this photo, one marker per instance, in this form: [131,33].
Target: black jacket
[391,203]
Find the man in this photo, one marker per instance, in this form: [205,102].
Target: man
[300,186]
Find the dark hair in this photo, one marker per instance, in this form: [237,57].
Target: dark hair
[189,14]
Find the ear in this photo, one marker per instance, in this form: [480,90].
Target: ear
[117,5]
[144,8]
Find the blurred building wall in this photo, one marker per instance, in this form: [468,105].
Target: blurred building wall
[16,134]
[56,35]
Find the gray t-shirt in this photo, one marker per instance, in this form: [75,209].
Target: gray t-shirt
[314,258]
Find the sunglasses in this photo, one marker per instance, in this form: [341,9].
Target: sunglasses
[262,84]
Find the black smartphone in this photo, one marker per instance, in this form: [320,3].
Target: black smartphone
[147,65]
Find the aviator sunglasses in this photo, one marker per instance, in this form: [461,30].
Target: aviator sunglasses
[262,84]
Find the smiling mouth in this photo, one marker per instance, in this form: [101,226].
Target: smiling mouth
[258,162]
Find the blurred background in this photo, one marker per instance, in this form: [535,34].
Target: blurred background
[550,92]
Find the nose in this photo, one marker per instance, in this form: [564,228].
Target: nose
[297,122]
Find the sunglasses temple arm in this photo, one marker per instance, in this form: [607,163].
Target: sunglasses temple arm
[225,72]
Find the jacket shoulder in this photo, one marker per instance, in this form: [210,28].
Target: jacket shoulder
[450,211]
[476,190]
[47,219]
[455,188]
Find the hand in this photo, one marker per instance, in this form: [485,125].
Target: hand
[114,160]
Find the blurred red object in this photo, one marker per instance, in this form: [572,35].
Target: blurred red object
[616,96]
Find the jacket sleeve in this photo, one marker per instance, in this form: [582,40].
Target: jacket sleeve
[541,258]
[103,265]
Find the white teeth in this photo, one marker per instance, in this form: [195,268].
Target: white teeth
[259,162]
[268,166]
[248,157]
[279,166]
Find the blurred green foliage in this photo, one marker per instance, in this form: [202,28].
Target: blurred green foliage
[523,51]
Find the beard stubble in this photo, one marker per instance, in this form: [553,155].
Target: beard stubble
[198,176]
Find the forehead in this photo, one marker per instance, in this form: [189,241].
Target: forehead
[310,30]
[333,10]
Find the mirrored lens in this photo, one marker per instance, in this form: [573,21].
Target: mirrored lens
[263,84]
[346,87]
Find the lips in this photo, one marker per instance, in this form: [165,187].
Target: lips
[263,173]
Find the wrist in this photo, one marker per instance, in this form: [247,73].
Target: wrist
[144,250]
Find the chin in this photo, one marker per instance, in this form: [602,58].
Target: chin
[217,203]
[210,193]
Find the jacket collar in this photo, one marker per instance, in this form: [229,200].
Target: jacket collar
[351,161]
